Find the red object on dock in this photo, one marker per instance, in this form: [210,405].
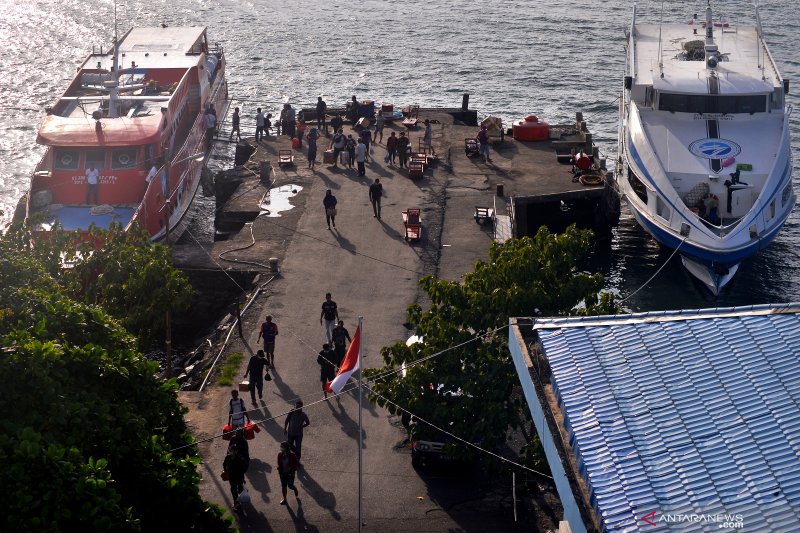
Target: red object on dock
[226,432]
[531,129]
[296,143]
[250,431]
[387,108]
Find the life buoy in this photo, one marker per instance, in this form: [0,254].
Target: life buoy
[591,179]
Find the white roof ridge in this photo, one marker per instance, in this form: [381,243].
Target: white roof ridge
[663,316]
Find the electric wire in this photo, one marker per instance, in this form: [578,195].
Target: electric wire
[349,387]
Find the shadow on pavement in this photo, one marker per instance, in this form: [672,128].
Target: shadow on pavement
[299,518]
[325,499]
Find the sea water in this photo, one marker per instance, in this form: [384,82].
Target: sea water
[549,58]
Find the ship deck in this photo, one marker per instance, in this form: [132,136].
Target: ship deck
[80,217]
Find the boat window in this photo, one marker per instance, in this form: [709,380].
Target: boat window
[662,209]
[771,213]
[712,103]
[96,159]
[787,194]
[66,159]
[637,186]
[123,158]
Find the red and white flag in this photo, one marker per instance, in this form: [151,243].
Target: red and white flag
[350,364]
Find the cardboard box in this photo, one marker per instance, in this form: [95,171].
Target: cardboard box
[244,386]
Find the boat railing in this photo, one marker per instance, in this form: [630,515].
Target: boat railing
[721,229]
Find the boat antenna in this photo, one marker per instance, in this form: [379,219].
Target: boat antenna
[660,50]
[113,91]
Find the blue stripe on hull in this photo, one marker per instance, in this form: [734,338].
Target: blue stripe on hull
[702,255]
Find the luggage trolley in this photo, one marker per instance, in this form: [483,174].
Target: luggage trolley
[413,223]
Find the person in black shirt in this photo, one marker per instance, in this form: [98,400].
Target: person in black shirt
[375,194]
[322,108]
[340,339]
[330,313]
[336,122]
[327,366]
[255,369]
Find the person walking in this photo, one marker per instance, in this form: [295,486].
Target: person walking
[366,136]
[267,124]
[236,411]
[330,313]
[268,331]
[391,148]
[211,126]
[235,119]
[483,143]
[322,108]
[293,427]
[329,203]
[92,180]
[361,156]
[235,465]
[340,339]
[327,366]
[338,142]
[290,126]
[260,121]
[427,138]
[351,151]
[380,120]
[402,149]
[287,468]
[375,194]
[313,135]
[255,370]
[301,130]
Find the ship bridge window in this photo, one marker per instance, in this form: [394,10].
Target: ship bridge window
[712,103]
[123,158]
[66,159]
[95,159]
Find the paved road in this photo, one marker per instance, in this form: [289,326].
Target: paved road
[372,272]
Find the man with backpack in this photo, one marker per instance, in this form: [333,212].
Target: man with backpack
[236,462]
[237,412]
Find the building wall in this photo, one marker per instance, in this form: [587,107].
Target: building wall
[522,363]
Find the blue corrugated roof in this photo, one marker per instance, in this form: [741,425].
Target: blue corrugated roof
[683,412]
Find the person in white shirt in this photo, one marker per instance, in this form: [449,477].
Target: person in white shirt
[92,179]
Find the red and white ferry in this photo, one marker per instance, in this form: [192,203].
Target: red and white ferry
[136,114]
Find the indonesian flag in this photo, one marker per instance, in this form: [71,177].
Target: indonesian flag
[350,364]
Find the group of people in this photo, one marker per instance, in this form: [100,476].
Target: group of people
[237,458]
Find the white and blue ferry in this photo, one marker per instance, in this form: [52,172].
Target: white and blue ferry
[705,159]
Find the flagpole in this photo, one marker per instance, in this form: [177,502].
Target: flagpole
[360,431]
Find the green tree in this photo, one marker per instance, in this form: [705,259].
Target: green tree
[131,278]
[468,390]
[86,427]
